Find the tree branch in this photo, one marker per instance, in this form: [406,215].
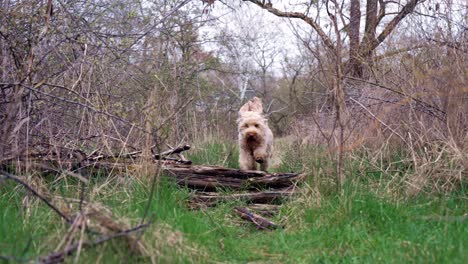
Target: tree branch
[406,10]
[378,119]
[328,42]
[259,221]
[16,179]
[399,51]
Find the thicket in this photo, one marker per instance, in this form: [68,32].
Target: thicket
[112,77]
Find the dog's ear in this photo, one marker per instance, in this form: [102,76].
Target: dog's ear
[255,105]
[244,108]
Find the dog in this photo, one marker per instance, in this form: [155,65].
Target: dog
[255,137]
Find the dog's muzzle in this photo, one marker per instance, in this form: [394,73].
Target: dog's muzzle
[251,136]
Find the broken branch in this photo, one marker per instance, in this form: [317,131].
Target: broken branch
[259,221]
[31,189]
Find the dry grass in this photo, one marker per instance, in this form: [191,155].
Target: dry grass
[439,167]
[296,210]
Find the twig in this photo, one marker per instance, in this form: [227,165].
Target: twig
[92,108]
[58,257]
[378,119]
[181,108]
[154,182]
[443,116]
[176,161]
[259,221]
[135,154]
[172,151]
[16,179]
[66,172]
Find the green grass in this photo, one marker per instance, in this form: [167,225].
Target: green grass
[362,225]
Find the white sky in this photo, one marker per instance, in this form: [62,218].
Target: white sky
[245,20]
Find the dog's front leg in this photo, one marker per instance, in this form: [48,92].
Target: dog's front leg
[246,160]
[260,154]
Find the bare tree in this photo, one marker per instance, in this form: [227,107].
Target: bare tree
[386,14]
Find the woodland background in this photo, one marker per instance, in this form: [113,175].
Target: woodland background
[375,80]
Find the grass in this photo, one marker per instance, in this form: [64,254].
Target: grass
[366,224]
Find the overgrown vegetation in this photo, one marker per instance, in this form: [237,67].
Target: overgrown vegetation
[370,222]
[376,120]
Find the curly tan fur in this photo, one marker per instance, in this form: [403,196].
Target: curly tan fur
[255,137]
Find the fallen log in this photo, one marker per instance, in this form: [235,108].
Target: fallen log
[210,178]
[216,171]
[259,221]
[199,199]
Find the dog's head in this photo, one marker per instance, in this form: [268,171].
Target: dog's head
[252,126]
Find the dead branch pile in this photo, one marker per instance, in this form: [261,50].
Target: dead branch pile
[212,185]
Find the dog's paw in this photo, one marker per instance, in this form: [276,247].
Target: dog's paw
[260,157]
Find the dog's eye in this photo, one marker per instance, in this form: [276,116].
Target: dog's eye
[256,125]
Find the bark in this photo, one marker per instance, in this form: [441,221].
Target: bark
[406,10]
[363,59]
[354,26]
[371,20]
[215,177]
[262,197]
[365,53]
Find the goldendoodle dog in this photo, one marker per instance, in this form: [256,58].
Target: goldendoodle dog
[255,137]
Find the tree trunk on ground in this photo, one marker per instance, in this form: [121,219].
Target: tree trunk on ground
[215,177]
